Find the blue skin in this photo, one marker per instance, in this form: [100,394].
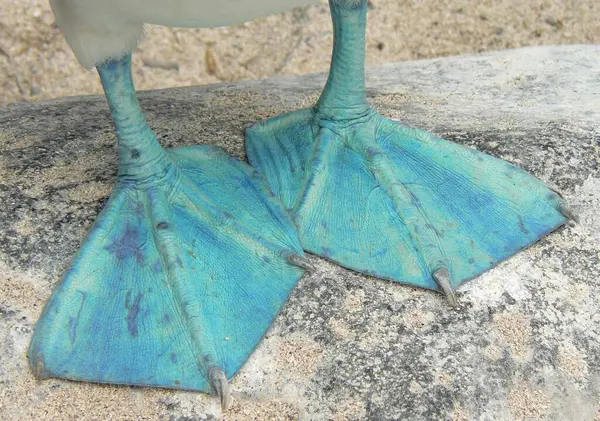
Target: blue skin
[191,259]
[391,201]
[182,273]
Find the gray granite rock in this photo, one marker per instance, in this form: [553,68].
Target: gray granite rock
[524,343]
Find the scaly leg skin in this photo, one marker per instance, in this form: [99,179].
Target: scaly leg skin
[391,201]
[182,273]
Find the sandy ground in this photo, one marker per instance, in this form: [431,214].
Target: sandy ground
[36,63]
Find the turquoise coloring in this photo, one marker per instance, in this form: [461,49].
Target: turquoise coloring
[182,273]
[388,200]
[194,255]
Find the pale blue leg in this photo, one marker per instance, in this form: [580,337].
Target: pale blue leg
[182,273]
[391,201]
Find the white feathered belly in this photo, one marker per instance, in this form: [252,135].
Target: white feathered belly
[98,30]
[185,13]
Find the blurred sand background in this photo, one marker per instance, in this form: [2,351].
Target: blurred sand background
[36,63]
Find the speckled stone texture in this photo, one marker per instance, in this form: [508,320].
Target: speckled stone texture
[523,345]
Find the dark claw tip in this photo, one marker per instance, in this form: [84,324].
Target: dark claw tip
[442,278]
[567,212]
[302,262]
[219,382]
[39,369]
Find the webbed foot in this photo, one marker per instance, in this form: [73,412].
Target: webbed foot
[400,203]
[182,273]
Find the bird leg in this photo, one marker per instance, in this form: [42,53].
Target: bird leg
[388,200]
[182,273]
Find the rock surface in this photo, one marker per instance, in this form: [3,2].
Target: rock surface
[523,345]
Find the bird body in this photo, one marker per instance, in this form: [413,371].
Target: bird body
[99,30]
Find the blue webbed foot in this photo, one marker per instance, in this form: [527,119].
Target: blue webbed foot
[391,201]
[176,279]
[182,273]
[399,203]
